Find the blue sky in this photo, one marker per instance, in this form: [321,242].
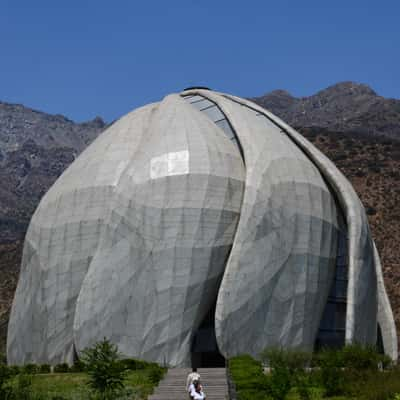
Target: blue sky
[87,58]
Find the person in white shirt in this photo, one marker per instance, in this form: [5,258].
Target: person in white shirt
[197,393]
[193,376]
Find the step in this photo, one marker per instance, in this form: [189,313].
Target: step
[185,396]
[172,386]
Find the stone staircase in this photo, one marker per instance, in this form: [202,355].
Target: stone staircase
[172,387]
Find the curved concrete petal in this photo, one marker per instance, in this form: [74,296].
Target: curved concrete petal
[361,312]
[385,315]
[169,232]
[61,240]
[282,262]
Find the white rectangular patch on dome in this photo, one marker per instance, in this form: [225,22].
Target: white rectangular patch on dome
[174,163]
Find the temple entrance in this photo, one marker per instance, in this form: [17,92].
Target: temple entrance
[379,341]
[205,352]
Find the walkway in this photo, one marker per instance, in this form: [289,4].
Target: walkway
[172,387]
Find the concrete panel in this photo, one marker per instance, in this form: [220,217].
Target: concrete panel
[61,241]
[281,266]
[361,318]
[169,232]
[385,315]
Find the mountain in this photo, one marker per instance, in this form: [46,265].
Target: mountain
[349,122]
[34,149]
[344,107]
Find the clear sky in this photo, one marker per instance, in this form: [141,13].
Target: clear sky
[87,58]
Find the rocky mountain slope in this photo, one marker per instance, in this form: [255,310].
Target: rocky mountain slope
[357,129]
[344,107]
[34,149]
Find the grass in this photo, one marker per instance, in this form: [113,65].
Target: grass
[73,386]
[68,385]
[140,383]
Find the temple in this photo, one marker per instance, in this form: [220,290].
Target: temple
[193,230]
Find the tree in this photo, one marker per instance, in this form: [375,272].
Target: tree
[106,373]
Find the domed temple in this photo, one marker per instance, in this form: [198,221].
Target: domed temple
[195,229]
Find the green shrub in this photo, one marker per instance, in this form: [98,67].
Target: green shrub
[22,390]
[5,375]
[247,373]
[305,385]
[354,372]
[106,373]
[78,366]
[280,382]
[374,385]
[348,370]
[3,358]
[332,376]
[249,378]
[156,373]
[293,360]
[14,369]
[288,370]
[30,369]
[361,358]
[61,368]
[249,394]
[44,369]
[386,362]
[132,364]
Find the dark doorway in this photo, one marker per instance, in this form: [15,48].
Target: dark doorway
[379,341]
[205,353]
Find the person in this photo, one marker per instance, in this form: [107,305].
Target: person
[197,393]
[193,376]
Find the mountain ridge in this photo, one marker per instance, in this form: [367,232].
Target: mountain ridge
[343,107]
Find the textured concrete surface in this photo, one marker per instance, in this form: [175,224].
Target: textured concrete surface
[198,199]
[282,263]
[167,238]
[362,290]
[385,315]
[362,303]
[61,241]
